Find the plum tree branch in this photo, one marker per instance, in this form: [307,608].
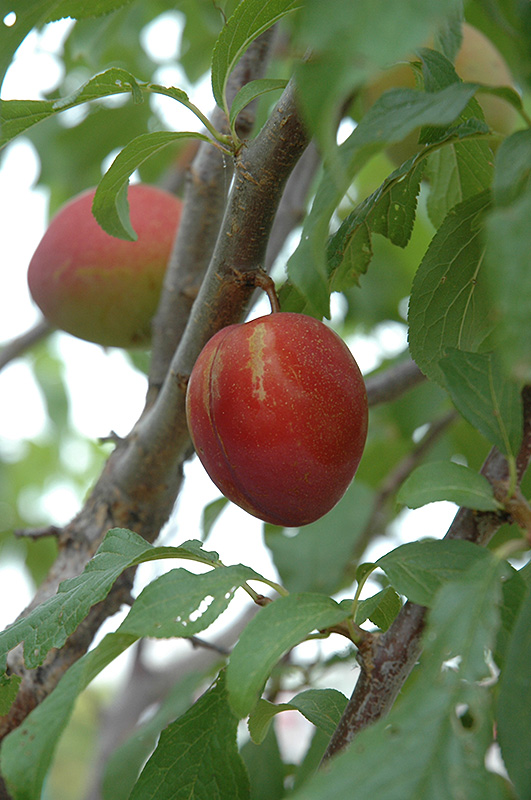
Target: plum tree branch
[18,346]
[387,660]
[141,479]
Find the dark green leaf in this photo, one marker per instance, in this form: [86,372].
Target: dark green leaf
[322,707]
[445,480]
[484,396]
[249,20]
[197,756]
[126,761]
[279,626]
[8,691]
[449,306]
[419,569]
[80,9]
[514,721]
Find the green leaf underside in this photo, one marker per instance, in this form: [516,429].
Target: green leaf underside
[110,206]
[322,707]
[449,306]
[249,20]
[277,628]
[485,398]
[424,750]
[395,115]
[197,755]
[445,480]
[49,625]
[419,569]
[250,92]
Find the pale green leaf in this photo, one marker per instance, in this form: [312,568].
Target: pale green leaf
[110,206]
[249,20]
[18,116]
[449,305]
[322,707]
[314,558]
[278,627]
[210,515]
[250,91]
[485,397]
[197,756]
[512,168]
[445,480]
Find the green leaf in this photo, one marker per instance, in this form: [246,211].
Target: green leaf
[514,723]
[197,755]
[389,211]
[210,515]
[250,92]
[348,43]
[126,761]
[419,569]
[381,608]
[53,621]
[19,115]
[509,282]
[8,691]
[265,767]
[314,559]
[449,306]
[322,707]
[394,115]
[79,9]
[110,206]
[28,751]
[512,168]
[424,748]
[249,20]
[29,14]
[278,627]
[182,603]
[484,396]
[445,480]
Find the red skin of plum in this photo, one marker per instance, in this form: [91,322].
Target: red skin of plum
[277,412]
[98,287]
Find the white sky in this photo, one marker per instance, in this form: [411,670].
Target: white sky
[90,370]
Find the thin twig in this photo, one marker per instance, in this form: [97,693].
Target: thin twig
[18,346]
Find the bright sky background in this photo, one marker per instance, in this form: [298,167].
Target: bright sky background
[89,369]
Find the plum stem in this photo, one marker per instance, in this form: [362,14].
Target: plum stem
[261,280]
